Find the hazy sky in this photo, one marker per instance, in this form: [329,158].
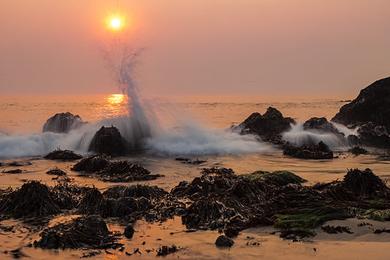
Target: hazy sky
[266,48]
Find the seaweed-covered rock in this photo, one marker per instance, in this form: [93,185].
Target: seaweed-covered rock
[269,126]
[321,124]
[371,105]
[33,199]
[374,135]
[315,152]
[336,229]
[91,164]
[365,184]
[135,191]
[109,141]
[63,155]
[56,171]
[224,241]
[14,171]
[117,171]
[357,150]
[84,232]
[62,123]
[166,250]
[124,171]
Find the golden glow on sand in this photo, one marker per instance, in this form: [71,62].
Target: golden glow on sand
[115,22]
[116,99]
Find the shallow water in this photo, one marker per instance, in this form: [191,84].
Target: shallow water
[24,115]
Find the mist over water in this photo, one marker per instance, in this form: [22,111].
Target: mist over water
[298,136]
[141,127]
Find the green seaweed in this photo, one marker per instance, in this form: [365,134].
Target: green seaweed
[309,218]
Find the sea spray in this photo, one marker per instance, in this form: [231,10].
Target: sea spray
[135,127]
[298,136]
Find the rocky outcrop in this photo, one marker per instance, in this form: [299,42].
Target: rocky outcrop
[315,152]
[269,126]
[62,123]
[371,105]
[109,141]
[374,135]
[321,124]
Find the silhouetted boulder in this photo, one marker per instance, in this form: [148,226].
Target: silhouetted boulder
[374,135]
[269,126]
[63,155]
[372,105]
[321,124]
[316,152]
[109,141]
[62,123]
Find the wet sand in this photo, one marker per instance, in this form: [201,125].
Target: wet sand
[251,243]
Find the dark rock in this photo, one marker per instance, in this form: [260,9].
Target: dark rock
[129,231]
[353,140]
[315,152]
[62,123]
[33,199]
[18,164]
[364,184]
[321,124]
[166,250]
[109,141]
[123,171]
[135,191]
[15,171]
[190,161]
[336,229]
[117,171]
[380,231]
[357,150]
[372,105]
[63,155]
[88,232]
[224,241]
[269,126]
[91,164]
[374,135]
[56,171]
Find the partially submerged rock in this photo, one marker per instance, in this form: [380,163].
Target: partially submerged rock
[269,126]
[33,199]
[371,105]
[357,150]
[89,232]
[315,152]
[109,141]
[116,171]
[56,171]
[62,123]
[321,124]
[63,155]
[91,164]
[14,171]
[129,231]
[166,250]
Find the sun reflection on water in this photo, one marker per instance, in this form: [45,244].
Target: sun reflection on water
[116,99]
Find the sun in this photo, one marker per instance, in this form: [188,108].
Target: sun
[115,22]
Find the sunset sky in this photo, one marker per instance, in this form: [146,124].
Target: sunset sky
[266,48]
